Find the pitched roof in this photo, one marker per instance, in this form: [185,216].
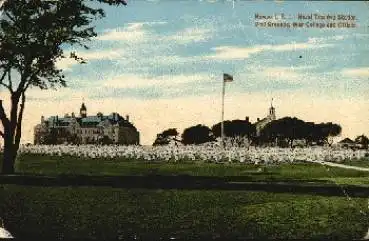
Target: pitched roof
[125,123]
[91,121]
[347,140]
[60,119]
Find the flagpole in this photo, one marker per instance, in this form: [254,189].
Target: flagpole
[222,123]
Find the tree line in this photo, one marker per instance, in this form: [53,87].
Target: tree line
[282,132]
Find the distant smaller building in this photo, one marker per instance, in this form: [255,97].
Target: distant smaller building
[347,143]
[261,123]
[98,129]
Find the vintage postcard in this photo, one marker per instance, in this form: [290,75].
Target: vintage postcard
[184,119]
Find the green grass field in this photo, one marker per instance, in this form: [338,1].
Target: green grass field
[53,165]
[69,212]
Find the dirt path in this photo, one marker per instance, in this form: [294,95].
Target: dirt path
[364,169]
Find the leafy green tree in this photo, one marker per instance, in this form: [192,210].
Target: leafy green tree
[234,128]
[166,137]
[321,133]
[324,132]
[32,33]
[286,128]
[198,134]
[363,141]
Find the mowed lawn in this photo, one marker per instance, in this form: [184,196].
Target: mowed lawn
[71,212]
[54,165]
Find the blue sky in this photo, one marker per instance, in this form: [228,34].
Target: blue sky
[164,39]
[162,61]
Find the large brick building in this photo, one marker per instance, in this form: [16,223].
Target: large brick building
[108,129]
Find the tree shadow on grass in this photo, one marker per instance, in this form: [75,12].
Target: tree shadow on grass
[186,182]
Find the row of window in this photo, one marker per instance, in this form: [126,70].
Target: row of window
[93,131]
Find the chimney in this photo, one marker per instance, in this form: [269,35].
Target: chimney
[73,115]
[258,119]
[127,117]
[42,119]
[247,119]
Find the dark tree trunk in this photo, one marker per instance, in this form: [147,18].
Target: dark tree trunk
[10,153]
[12,132]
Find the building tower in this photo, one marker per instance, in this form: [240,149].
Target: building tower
[83,111]
[271,111]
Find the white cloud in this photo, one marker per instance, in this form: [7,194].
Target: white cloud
[107,54]
[230,52]
[145,43]
[67,63]
[281,73]
[356,72]
[315,40]
[135,81]
[123,35]
[172,60]
[153,23]
[50,94]
[133,32]
[294,46]
[190,35]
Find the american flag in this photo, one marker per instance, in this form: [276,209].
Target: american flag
[227,77]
